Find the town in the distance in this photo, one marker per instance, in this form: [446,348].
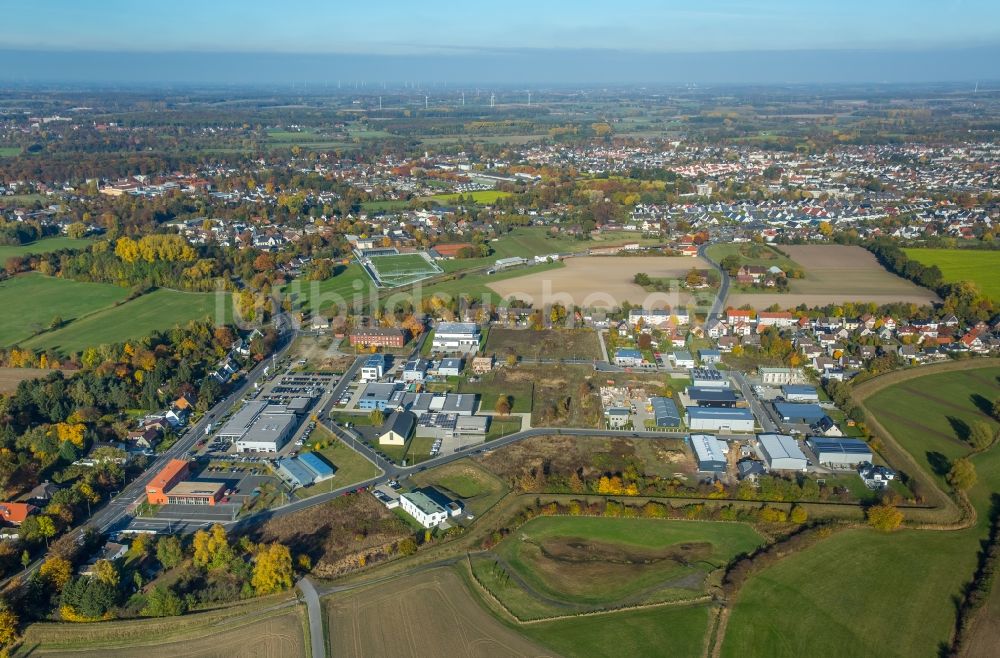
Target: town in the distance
[361,369]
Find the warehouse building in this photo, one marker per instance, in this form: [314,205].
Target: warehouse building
[682,359]
[442,426]
[617,417]
[240,422]
[792,412]
[456,337]
[708,378]
[782,452]
[450,368]
[376,396]
[711,397]
[665,412]
[840,453]
[304,470]
[415,370]
[719,419]
[799,393]
[709,452]
[269,433]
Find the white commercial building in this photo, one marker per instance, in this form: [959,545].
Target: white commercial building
[720,419]
[782,452]
[456,337]
[709,451]
[269,433]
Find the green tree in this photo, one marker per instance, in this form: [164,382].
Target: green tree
[163,602]
[377,417]
[962,475]
[169,551]
[884,517]
[981,436]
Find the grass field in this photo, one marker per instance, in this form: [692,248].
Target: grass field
[427,614]
[845,597]
[475,486]
[348,285]
[43,247]
[677,632]
[31,301]
[931,416]
[155,311]
[613,561]
[351,466]
[403,269]
[525,242]
[246,631]
[835,274]
[751,254]
[482,197]
[10,151]
[838,597]
[980,267]
[547,344]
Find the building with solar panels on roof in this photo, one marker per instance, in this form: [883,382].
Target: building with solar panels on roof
[839,453]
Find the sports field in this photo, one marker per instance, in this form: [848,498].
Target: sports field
[980,267]
[427,614]
[525,242]
[31,301]
[155,311]
[584,563]
[402,269]
[835,274]
[44,246]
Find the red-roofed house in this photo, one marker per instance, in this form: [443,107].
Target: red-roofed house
[16,513]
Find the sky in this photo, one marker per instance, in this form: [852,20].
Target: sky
[460,40]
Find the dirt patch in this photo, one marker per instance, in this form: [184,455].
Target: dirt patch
[11,377]
[547,343]
[428,614]
[577,550]
[835,274]
[601,282]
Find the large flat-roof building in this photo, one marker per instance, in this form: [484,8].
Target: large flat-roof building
[839,453]
[793,412]
[240,422]
[708,378]
[376,396]
[799,393]
[719,419]
[269,433]
[427,512]
[665,413]
[415,370]
[175,471]
[304,470]
[168,487]
[456,337]
[709,452]
[711,397]
[782,452]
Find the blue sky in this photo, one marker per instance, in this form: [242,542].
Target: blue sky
[396,27]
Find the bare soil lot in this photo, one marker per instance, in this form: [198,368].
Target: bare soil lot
[546,344]
[428,614]
[11,377]
[600,282]
[836,274]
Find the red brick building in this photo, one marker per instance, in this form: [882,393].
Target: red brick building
[379,337]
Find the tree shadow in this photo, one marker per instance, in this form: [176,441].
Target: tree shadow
[939,463]
[982,403]
[961,428]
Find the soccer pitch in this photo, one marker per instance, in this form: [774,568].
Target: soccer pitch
[401,269]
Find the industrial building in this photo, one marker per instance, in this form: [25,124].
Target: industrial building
[456,337]
[709,452]
[373,368]
[782,452]
[711,397]
[441,426]
[304,470]
[628,357]
[665,412]
[799,393]
[617,417]
[709,357]
[708,378]
[792,412]
[781,376]
[719,419]
[450,367]
[840,453]
[415,370]
[269,433]
[169,487]
[682,359]
[240,422]
[376,396]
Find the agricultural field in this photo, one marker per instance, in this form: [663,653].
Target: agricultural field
[475,486]
[601,282]
[980,267]
[575,564]
[155,311]
[427,614]
[544,344]
[402,269]
[835,274]
[246,631]
[11,377]
[44,246]
[32,301]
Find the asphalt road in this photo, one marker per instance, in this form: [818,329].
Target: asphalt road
[720,297]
